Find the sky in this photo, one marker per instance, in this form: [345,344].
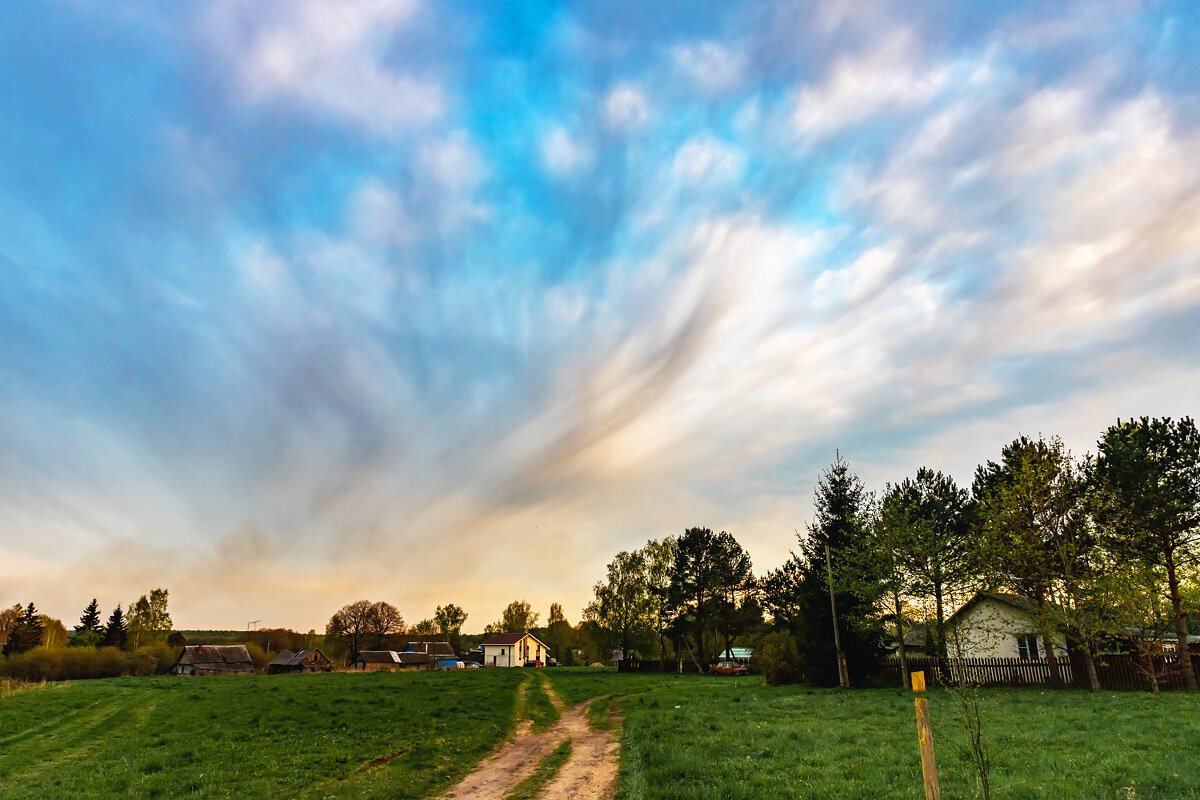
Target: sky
[303,303]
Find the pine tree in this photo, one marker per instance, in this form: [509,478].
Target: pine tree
[114,630]
[90,621]
[842,521]
[28,633]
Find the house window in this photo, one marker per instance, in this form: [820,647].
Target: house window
[1027,647]
[501,651]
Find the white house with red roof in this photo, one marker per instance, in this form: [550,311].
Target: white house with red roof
[513,650]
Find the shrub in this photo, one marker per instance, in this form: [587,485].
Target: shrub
[776,659]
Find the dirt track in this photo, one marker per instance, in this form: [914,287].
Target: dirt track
[589,772]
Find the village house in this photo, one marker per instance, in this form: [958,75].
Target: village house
[513,650]
[304,661]
[375,660]
[995,625]
[213,659]
[435,650]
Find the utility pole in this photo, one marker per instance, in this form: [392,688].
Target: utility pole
[843,675]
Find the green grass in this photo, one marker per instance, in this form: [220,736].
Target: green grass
[404,735]
[529,788]
[413,735]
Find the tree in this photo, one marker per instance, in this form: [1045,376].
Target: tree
[450,619]
[558,636]
[621,606]
[27,633]
[115,632]
[425,629]
[383,620]
[1148,481]
[929,524]
[711,579]
[1021,519]
[148,618]
[658,556]
[556,614]
[841,522]
[9,618]
[351,627]
[780,591]
[518,617]
[90,620]
[776,658]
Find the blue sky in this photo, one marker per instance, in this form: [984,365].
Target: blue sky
[304,302]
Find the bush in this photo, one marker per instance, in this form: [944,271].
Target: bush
[776,659]
[75,663]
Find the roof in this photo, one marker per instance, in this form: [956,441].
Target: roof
[214,654]
[432,648]
[378,657]
[1010,600]
[287,658]
[915,636]
[511,638]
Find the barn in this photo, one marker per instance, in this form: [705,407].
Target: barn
[304,661]
[213,659]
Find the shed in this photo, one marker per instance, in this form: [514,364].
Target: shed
[213,659]
[375,660]
[304,661]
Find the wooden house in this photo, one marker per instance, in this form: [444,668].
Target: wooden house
[213,659]
[304,661]
[375,660]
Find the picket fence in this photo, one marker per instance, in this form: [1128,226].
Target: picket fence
[1115,671]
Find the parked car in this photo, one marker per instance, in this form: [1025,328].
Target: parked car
[533,663]
[728,668]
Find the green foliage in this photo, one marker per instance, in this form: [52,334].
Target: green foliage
[27,634]
[712,581]
[776,658]
[76,663]
[450,619]
[115,630]
[621,607]
[89,621]
[843,522]
[148,620]
[518,617]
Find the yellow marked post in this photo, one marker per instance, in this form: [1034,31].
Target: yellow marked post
[925,737]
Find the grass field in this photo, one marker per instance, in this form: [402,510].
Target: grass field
[380,735]
[691,736]
[413,735]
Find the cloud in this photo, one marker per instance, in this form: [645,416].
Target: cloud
[704,159]
[562,154]
[626,108]
[886,76]
[313,56]
[713,67]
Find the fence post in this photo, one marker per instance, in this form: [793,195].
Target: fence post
[925,738]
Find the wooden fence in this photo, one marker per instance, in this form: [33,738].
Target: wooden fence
[1125,671]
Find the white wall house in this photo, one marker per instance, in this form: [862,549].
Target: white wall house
[513,650]
[998,626]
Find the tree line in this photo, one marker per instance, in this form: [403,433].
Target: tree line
[1104,548]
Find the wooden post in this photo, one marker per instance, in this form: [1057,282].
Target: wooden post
[925,737]
[843,673]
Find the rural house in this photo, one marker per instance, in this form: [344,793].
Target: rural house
[435,650]
[513,650]
[213,659]
[304,661]
[375,660]
[994,625]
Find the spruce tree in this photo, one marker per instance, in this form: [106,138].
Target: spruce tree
[114,630]
[842,521]
[90,621]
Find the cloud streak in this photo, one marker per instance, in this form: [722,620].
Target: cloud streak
[402,301]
